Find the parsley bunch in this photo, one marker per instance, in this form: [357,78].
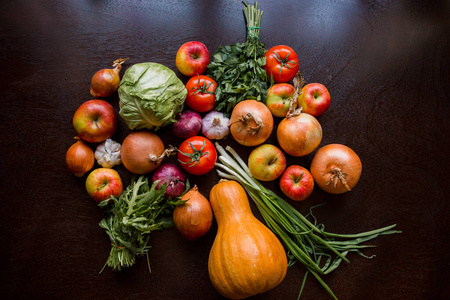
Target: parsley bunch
[239,68]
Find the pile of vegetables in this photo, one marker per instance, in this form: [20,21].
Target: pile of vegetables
[306,241]
[228,102]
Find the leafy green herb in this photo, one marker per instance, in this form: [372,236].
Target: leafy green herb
[239,68]
[139,210]
[306,241]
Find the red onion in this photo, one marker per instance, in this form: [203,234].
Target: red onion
[172,175]
[188,124]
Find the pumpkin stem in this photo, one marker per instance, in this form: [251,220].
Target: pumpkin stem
[338,175]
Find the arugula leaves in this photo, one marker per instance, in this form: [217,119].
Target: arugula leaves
[129,219]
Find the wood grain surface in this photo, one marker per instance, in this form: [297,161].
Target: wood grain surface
[385,63]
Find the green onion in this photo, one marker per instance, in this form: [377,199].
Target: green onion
[306,241]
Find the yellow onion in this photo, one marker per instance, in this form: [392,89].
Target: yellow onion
[105,82]
[80,158]
[336,168]
[193,219]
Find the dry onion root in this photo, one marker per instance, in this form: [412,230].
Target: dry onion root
[251,123]
[336,168]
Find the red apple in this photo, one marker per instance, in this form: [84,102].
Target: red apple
[279,99]
[266,162]
[95,121]
[103,183]
[296,183]
[192,58]
[314,99]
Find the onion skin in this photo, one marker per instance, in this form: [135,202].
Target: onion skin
[328,161]
[136,149]
[172,175]
[80,158]
[299,135]
[188,124]
[243,127]
[193,219]
[105,82]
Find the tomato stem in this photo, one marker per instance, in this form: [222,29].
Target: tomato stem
[195,156]
[284,61]
[203,89]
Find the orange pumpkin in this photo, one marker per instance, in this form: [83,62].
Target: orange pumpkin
[246,258]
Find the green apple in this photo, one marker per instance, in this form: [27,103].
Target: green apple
[266,162]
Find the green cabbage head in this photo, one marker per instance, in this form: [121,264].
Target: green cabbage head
[151,95]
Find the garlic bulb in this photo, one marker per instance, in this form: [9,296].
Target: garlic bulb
[215,125]
[107,154]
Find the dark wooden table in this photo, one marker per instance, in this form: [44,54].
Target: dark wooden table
[385,63]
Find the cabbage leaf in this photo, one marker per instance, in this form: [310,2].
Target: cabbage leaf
[151,95]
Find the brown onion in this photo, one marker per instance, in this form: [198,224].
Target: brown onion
[193,219]
[105,82]
[142,152]
[251,123]
[336,168]
[299,134]
[80,158]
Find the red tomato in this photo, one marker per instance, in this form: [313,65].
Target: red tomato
[281,63]
[201,95]
[197,155]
